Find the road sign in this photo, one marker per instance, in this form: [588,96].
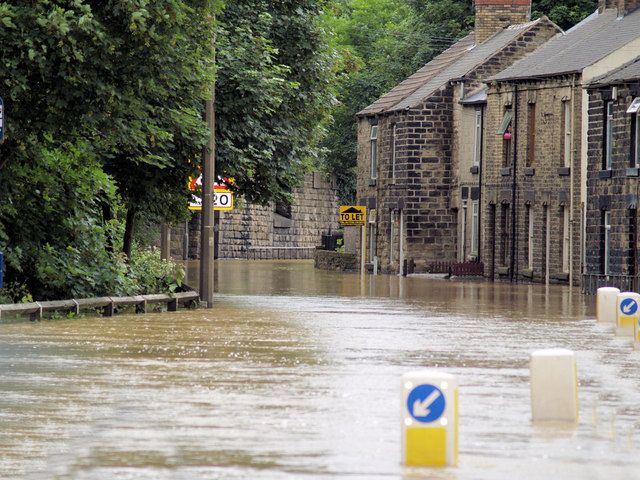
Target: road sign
[222,197]
[1,119]
[353,216]
[222,201]
[628,306]
[426,403]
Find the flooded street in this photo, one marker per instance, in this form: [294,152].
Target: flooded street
[295,374]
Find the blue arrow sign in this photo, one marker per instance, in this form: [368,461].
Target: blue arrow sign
[426,403]
[628,306]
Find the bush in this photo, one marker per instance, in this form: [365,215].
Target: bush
[150,274]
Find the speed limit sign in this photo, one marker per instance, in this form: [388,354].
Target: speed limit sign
[223,200]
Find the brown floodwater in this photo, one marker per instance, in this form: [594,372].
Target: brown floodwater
[295,374]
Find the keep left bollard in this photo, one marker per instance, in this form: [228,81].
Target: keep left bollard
[627,313]
[429,419]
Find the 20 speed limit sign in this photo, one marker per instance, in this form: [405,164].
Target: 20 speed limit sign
[222,200]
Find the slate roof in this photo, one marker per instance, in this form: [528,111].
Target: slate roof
[595,37]
[630,71]
[453,63]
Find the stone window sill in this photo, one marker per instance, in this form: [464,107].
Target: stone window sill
[527,273]
[633,172]
[505,172]
[560,276]
[474,170]
[372,182]
[502,271]
[529,172]
[564,171]
[604,174]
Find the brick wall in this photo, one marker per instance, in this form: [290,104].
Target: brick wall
[615,190]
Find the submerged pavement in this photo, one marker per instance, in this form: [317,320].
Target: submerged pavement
[295,374]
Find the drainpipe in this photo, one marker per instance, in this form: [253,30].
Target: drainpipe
[513,184]
[482,109]
[571,173]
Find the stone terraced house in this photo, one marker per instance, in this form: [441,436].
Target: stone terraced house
[420,146]
[534,190]
[613,185]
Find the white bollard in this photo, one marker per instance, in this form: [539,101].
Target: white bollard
[606,304]
[429,419]
[554,385]
[627,313]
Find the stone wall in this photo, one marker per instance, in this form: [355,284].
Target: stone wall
[543,188]
[259,232]
[493,15]
[339,262]
[615,190]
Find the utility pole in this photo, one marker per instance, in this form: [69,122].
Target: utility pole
[208,179]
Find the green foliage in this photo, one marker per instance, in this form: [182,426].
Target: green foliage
[566,13]
[15,293]
[273,94]
[150,274]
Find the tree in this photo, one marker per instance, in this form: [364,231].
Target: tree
[273,95]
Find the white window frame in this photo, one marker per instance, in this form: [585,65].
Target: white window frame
[608,148]
[374,152]
[607,240]
[475,227]
[477,140]
[393,154]
[565,239]
[566,154]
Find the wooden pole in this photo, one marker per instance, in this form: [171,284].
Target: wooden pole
[208,180]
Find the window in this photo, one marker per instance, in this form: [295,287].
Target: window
[564,211]
[477,139]
[634,110]
[372,234]
[506,131]
[566,133]
[531,134]
[529,226]
[392,235]
[504,236]
[606,242]
[608,138]
[463,232]
[374,152]
[475,227]
[393,153]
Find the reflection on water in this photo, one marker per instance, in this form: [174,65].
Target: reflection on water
[295,374]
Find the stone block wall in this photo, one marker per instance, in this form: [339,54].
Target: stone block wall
[543,185]
[258,232]
[616,190]
[493,15]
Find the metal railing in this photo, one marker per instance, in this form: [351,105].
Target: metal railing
[592,282]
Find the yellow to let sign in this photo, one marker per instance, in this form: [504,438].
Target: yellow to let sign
[353,215]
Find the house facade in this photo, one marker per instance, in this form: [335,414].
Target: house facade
[420,146]
[534,210]
[613,184]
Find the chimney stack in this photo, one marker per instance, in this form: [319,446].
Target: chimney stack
[494,15]
[623,6]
